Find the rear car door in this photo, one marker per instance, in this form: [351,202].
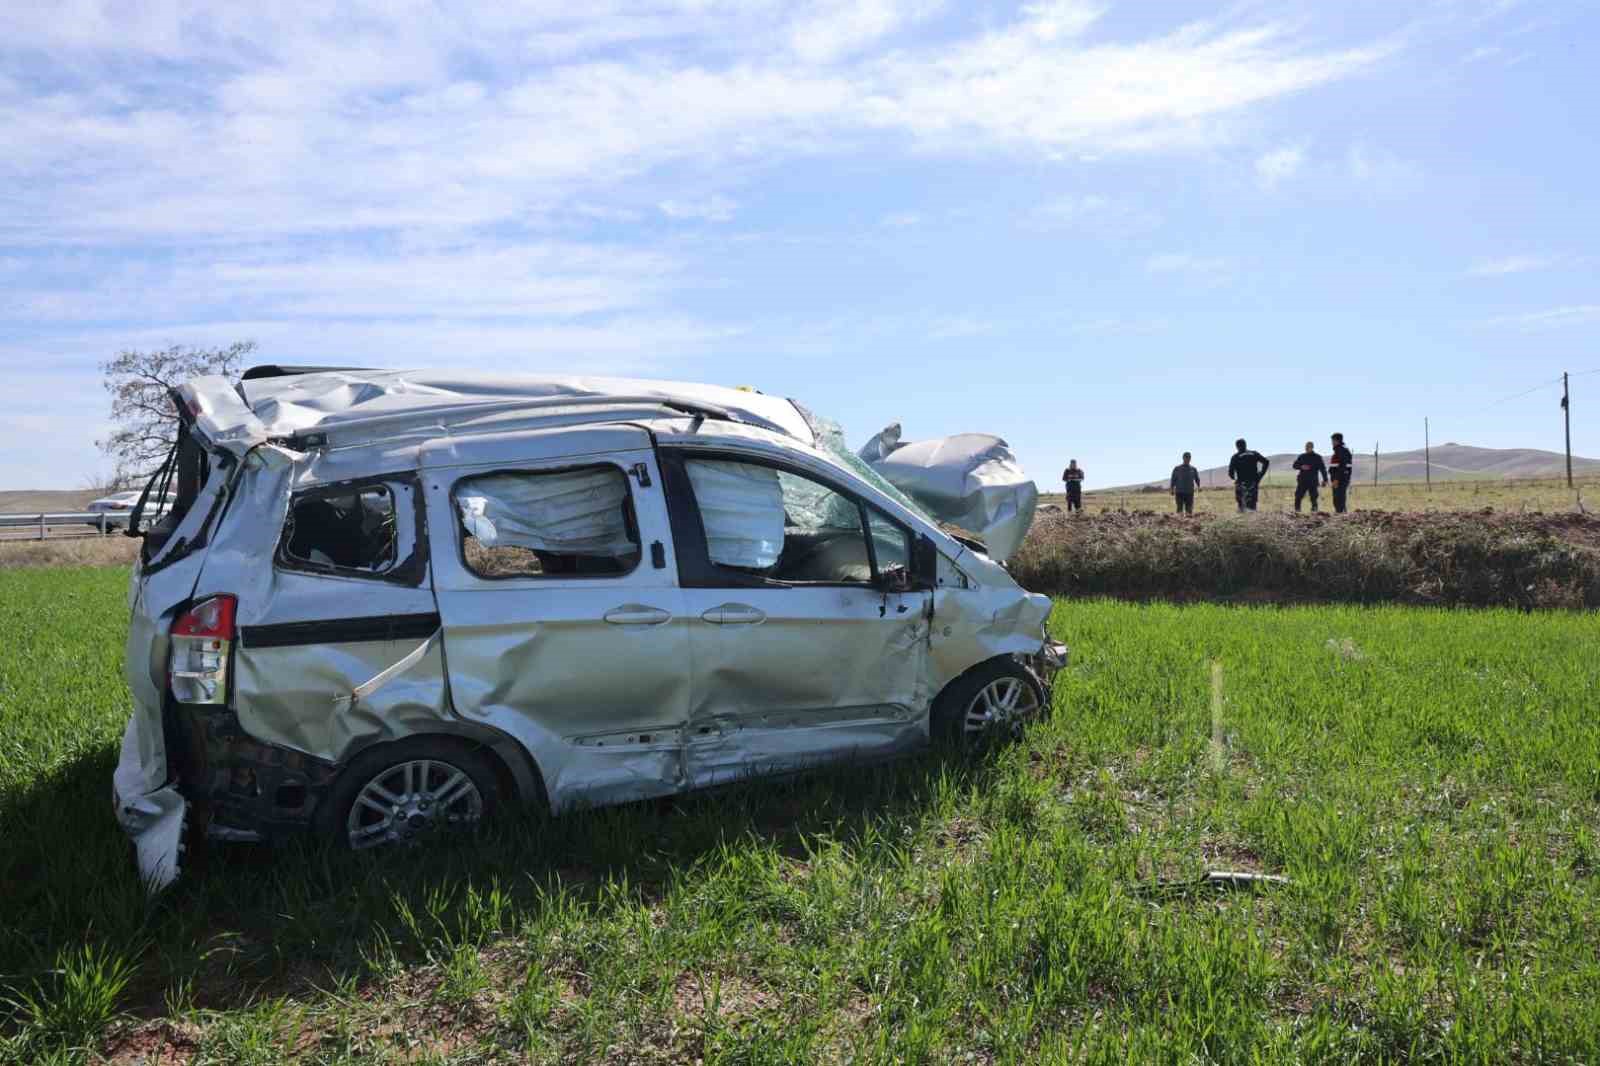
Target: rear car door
[347,596]
[809,645]
[563,622]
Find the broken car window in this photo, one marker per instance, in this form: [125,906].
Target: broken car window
[344,529]
[778,524]
[572,523]
[891,544]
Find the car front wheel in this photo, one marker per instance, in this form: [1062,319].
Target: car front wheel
[989,703]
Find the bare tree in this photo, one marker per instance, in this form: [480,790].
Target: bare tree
[103,484]
[140,385]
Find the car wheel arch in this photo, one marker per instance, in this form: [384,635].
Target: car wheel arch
[517,773]
[956,689]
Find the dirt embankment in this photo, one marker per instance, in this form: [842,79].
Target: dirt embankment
[1469,559]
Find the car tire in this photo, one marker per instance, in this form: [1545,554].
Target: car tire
[991,702]
[411,792]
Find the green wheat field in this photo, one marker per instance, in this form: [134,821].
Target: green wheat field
[1427,781]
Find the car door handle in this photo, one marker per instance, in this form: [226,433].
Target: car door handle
[734,614]
[637,614]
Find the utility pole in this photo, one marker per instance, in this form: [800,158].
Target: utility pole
[1427,455]
[1566,416]
[1374,464]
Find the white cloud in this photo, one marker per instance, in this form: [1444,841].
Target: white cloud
[1113,326]
[1211,269]
[958,327]
[1093,213]
[716,209]
[901,220]
[834,29]
[1381,172]
[1554,318]
[1280,164]
[216,121]
[1511,264]
[1069,209]
[402,277]
[1036,84]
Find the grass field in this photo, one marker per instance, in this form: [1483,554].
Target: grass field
[1457,495]
[1428,781]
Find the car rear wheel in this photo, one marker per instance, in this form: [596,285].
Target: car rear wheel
[990,703]
[413,792]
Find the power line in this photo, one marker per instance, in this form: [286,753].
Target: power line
[1520,395]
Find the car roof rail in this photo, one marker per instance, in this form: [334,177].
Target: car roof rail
[281,370]
[447,414]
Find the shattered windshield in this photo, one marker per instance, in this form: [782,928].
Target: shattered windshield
[831,439]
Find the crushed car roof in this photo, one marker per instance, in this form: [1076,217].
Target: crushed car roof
[971,481]
[370,404]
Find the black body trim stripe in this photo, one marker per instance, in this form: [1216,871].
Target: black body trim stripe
[341,630]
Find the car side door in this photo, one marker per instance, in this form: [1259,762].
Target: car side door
[809,643]
[563,623]
[345,595]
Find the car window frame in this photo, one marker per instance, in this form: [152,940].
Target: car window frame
[906,533]
[567,468]
[690,542]
[408,571]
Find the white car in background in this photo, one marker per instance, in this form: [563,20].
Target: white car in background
[118,506]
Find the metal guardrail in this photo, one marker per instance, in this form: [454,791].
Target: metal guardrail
[42,525]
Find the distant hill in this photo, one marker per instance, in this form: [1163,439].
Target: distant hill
[1451,462]
[21,501]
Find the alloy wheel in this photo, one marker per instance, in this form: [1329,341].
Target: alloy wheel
[412,800]
[1001,707]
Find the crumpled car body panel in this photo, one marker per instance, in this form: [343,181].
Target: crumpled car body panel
[147,804]
[971,480]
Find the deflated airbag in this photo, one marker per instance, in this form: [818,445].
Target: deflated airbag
[575,512]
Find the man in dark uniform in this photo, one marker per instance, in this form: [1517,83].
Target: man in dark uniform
[1340,472]
[1185,479]
[1311,470]
[1073,476]
[1246,470]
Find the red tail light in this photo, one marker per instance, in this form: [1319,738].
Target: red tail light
[202,637]
[208,618]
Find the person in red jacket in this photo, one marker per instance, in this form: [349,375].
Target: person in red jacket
[1340,472]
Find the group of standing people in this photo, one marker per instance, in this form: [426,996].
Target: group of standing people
[1247,469]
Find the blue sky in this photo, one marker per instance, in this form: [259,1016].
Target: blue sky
[1104,231]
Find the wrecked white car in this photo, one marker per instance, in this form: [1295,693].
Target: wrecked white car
[383,605]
